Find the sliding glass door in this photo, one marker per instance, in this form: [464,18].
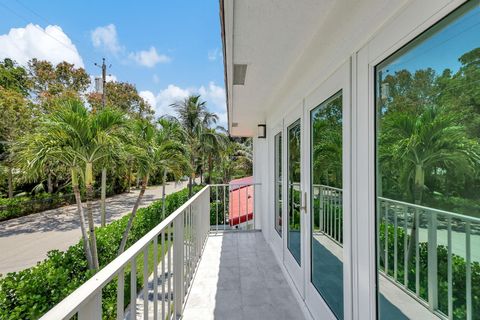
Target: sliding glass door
[428,164]
[295,198]
[328,287]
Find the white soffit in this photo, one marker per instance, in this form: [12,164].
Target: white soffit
[267,36]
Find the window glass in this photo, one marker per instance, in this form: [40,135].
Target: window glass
[327,202]
[278,183]
[294,191]
[428,173]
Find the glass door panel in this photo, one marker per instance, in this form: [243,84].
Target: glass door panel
[294,190]
[427,173]
[327,202]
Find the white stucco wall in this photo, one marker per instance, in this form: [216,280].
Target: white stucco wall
[362,39]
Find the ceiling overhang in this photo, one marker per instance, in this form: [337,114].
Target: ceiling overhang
[262,38]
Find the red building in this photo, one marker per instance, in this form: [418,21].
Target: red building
[241,201]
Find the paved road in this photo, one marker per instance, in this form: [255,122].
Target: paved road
[26,240]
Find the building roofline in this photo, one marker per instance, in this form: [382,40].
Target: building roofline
[224,52]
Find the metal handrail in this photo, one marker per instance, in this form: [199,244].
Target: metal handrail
[86,300]
[222,205]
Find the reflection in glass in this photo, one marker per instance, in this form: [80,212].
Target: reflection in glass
[294,191]
[428,173]
[327,204]
[278,183]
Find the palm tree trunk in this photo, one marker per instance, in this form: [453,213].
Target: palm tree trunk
[210,169]
[191,178]
[10,182]
[163,193]
[190,187]
[132,216]
[49,183]
[81,216]
[91,223]
[129,178]
[418,197]
[103,196]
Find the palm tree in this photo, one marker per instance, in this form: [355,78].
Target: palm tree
[88,138]
[211,145]
[48,143]
[172,153]
[143,148]
[420,144]
[154,150]
[195,119]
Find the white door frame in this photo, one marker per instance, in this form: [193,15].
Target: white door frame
[295,270]
[275,239]
[339,80]
[411,21]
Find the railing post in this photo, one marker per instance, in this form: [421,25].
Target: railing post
[92,309]
[432,262]
[178,267]
[204,216]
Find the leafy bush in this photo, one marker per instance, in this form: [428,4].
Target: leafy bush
[29,293]
[458,273]
[22,206]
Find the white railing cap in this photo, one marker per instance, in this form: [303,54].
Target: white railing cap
[70,305]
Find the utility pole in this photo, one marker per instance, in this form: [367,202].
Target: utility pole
[102,88]
[104,82]
[104,169]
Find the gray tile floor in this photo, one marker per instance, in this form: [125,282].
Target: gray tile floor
[239,278]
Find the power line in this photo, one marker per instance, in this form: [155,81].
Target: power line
[38,27]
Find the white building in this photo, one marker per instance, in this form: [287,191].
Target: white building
[285,61]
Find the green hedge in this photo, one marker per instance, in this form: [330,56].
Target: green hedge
[29,293]
[22,206]
[11,208]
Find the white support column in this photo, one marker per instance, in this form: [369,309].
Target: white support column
[260,174]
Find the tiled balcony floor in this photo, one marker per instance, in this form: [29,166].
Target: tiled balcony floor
[239,278]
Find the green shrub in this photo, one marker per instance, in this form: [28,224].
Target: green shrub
[29,293]
[458,272]
[22,206]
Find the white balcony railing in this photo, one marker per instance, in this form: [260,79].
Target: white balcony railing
[431,230]
[434,231]
[177,243]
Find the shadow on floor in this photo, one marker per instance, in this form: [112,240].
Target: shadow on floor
[250,283]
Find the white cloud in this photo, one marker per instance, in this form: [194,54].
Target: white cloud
[106,38]
[51,44]
[213,54]
[214,96]
[148,96]
[161,101]
[148,58]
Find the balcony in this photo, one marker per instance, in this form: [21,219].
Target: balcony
[224,271]
[213,263]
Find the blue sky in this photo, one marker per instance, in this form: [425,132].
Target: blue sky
[447,41]
[168,49]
